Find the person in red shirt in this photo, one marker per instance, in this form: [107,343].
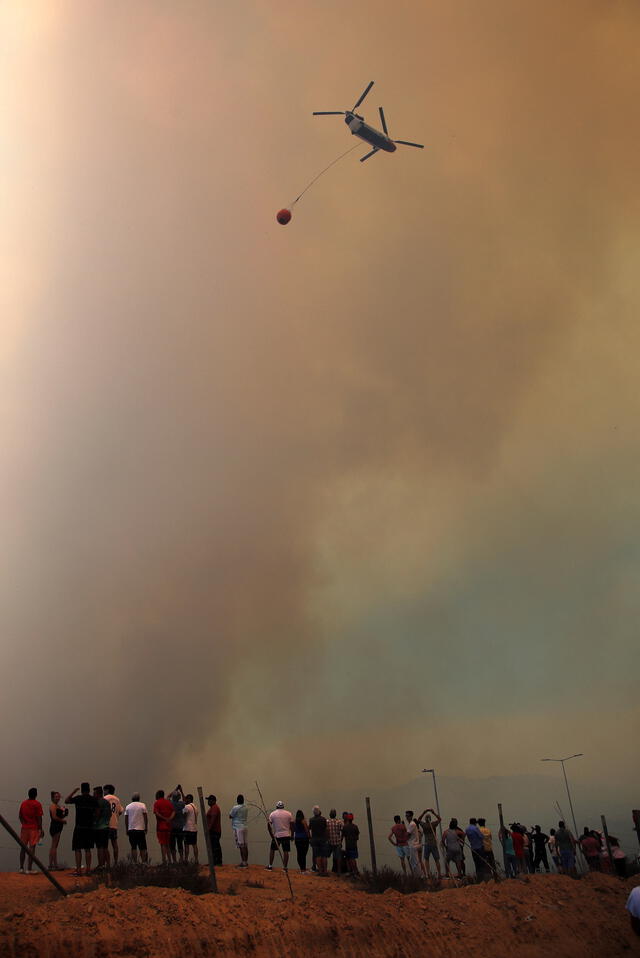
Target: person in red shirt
[30,816]
[591,848]
[399,838]
[518,848]
[164,811]
[215,828]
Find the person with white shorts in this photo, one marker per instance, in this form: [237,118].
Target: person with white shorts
[239,816]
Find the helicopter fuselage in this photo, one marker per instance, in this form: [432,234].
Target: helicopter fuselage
[369,134]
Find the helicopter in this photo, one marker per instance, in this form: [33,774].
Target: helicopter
[376,139]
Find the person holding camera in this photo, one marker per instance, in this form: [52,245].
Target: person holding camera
[58,815]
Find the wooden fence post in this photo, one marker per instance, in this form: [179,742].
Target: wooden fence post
[608,843]
[207,841]
[374,867]
[45,871]
[502,839]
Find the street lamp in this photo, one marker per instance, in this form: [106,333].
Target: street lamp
[435,789]
[562,761]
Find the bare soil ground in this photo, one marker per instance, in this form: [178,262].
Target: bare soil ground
[553,916]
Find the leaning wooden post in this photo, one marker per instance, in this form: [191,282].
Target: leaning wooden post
[207,841]
[374,867]
[503,841]
[45,871]
[606,838]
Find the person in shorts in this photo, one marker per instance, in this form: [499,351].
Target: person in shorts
[136,823]
[239,816]
[116,812]
[101,827]
[399,838]
[452,844]
[58,819]
[430,840]
[190,829]
[164,812]
[350,836]
[280,828]
[176,842]
[86,814]
[30,815]
[318,830]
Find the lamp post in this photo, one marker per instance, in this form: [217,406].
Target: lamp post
[566,782]
[435,789]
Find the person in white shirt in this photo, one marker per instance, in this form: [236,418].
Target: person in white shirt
[414,842]
[190,828]
[116,812]
[280,828]
[136,822]
[633,907]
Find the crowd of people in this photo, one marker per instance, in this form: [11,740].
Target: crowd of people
[524,850]
[333,840]
[98,812]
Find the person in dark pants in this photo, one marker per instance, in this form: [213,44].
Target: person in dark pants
[476,841]
[214,826]
[318,829]
[350,835]
[619,857]
[540,841]
[301,836]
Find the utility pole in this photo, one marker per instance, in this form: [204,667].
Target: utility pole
[566,782]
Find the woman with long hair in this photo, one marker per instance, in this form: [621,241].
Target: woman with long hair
[301,838]
[57,814]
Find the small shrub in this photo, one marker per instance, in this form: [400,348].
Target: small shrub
[126,874]
[388,878]
[232,890]
[254,884]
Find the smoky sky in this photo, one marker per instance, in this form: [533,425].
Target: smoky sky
[376,471]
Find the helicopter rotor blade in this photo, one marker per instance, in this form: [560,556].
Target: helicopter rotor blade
[408,143]
[363,96]
[373,151]
[328,113]
[384,122]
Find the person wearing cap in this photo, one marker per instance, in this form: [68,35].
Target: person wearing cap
[214,827]
[280,829]
[239,816]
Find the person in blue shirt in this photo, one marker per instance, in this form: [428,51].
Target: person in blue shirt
[476,842]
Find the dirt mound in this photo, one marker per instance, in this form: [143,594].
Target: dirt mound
[544,915]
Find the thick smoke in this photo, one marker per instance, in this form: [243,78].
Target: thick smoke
[371,472]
